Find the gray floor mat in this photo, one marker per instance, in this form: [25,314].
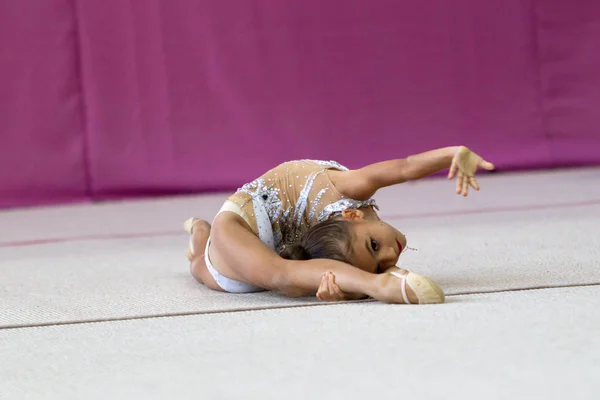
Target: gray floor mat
[542,344]
[113,279]
[522,231]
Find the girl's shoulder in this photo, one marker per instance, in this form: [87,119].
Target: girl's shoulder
[312,164]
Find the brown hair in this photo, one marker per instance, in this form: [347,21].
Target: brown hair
[331,239]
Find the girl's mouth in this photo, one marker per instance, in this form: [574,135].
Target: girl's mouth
[399,246]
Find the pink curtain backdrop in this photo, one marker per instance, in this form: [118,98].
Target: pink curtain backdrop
[109,98]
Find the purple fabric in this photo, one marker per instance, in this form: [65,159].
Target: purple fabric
[149,97]
[41,124]
[569,57]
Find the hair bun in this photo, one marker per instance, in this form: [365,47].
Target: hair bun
[295,252]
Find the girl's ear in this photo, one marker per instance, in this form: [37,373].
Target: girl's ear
[353,215]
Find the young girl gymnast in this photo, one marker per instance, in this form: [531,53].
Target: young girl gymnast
[311,227]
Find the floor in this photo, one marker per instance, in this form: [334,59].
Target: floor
[96,302]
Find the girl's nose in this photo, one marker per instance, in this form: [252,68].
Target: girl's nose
[391,256]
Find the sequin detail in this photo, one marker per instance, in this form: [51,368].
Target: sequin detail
[316,203]
[303,199]
[345,204]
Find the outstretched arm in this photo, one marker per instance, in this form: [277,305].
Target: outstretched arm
[362,183]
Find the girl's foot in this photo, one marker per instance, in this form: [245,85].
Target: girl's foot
[405,287]
[424,289]
[199,231]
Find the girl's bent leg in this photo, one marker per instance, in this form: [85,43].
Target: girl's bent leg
[200,232]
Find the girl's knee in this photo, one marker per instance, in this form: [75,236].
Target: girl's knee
[196,268]
[201,274]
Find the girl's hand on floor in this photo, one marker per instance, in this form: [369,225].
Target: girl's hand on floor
[464,165]
[329,290]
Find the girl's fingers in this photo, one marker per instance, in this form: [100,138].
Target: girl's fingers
[330,284]
[486,165]
[322,288]
[465,186]
[452,170]
[459,179]
[473,183]
[336,289]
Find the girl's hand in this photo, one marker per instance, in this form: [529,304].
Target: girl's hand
[329,290]
[464,165]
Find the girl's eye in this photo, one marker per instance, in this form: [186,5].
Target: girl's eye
[374,245]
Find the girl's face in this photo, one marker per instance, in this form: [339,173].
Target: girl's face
[377,245]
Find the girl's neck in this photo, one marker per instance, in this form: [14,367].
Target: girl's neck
[370,213]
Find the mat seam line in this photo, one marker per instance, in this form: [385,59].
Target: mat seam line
[240,310]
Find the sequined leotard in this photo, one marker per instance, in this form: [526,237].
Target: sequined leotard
[281,205]
[290,198]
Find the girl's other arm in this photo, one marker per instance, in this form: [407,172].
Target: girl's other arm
[361,184]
